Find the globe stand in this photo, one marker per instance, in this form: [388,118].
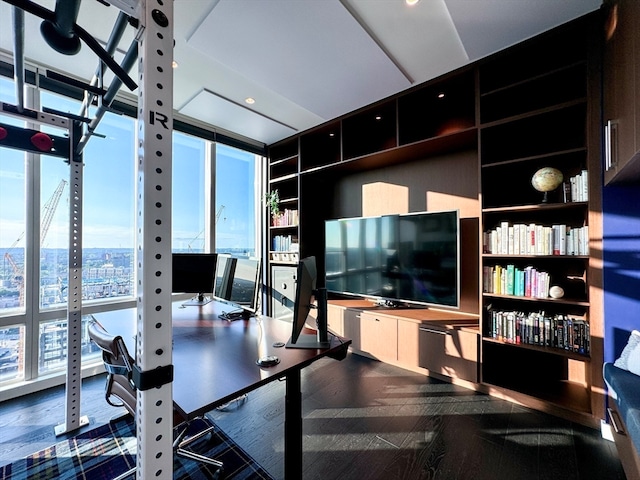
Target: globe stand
[545,197]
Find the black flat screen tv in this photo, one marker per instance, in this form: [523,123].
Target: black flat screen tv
[396,259]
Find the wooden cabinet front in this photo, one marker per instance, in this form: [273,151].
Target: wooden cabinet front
[335,320]
[450,352]
[379,336]
[620,91]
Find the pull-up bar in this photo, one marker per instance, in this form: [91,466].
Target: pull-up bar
[86,37]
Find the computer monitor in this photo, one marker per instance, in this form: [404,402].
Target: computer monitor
[245,289]
[225,269]
[194,273]
[306,292]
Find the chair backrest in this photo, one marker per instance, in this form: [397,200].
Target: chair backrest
[119,366]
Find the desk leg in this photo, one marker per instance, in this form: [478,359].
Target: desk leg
[293,427]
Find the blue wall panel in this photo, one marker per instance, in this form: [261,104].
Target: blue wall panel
[621,244]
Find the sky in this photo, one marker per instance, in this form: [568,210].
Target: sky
[109,183]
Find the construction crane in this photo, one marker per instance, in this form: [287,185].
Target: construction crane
[48,211]
[218,213]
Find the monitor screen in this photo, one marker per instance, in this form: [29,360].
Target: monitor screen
[194,273]
[225,269]
[245,287]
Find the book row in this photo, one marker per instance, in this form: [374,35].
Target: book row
[535,239]
[536,328]
[511,280]
[577,188]
[284,243]
[286,218]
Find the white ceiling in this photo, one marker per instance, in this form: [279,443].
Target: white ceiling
[305,61]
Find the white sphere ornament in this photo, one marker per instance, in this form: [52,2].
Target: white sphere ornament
[556,292]
[546,180]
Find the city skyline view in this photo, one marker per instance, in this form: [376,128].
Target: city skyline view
[109,207]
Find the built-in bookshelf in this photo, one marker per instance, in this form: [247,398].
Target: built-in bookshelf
[505,117]
[536,262]
[283,226]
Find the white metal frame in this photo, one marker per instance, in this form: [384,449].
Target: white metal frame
[73,420]
[154,374]
[153,229]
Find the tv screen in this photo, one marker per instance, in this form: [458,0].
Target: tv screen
[410,258]
[193,273]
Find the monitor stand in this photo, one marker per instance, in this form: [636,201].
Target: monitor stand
[320,339]
[308,340]
[241,314]
[197,301]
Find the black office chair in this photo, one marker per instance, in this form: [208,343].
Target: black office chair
[121,392]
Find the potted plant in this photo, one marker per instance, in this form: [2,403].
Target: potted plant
[272,202]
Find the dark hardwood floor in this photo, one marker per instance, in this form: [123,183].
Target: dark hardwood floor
[366,420]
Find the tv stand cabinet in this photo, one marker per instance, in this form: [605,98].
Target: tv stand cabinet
[439,343]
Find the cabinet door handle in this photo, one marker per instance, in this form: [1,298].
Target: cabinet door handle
[610,144]
[615,421]
[431,330]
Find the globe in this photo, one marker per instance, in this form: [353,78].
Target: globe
[546,180]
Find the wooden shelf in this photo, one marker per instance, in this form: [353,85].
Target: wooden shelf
[369,131]
[282,227]
[537,207]
[566,399]
[545,157]
[536,372]
[534,113]
[540,348]
[452,142]
[565,301]
[283,178]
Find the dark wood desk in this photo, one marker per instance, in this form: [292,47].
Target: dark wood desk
[215,361]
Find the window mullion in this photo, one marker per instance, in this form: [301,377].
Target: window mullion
[210,196]
[32,249]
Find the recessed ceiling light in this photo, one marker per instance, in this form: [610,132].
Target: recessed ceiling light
[441,95]
[378,117]
[411,2]
[250,100]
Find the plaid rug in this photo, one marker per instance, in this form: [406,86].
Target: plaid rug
[109,450]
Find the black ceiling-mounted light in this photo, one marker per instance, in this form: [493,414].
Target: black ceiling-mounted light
[59,33]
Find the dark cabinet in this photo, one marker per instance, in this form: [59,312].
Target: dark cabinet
[283,292]
[621,95]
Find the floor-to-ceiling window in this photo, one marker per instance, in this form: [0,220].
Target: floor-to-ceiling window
[107,230]
[34,221]
[237,200]
[190,199]
[13,224]
[215,189]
